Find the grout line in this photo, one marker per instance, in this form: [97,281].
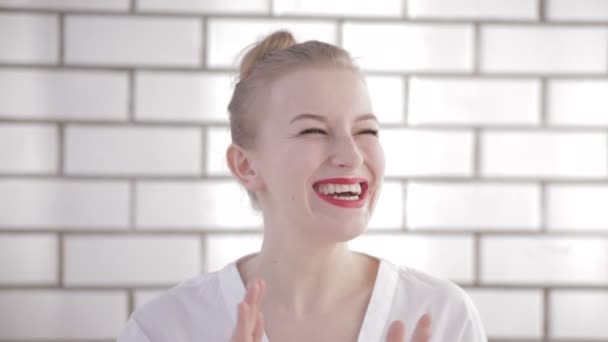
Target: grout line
[61,259]
[340,33]
[542,6]
[132,204]
[204,41]
[543,207]
[271,8]
[405,9]
[477,55]
[132,7]
[61,147]
[61,49]
[477,259]
[204,156]
[543,105]
[203,240]
[404,192]
[546,314]
[131,80]
[130,301]
[477,150]
[407,84]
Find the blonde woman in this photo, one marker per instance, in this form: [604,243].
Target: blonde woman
[305,146]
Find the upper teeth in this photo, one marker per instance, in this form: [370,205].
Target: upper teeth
[328,188]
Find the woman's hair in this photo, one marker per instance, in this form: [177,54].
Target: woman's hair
[264,61]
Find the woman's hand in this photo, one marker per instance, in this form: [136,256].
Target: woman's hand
[396,332]
[250,322]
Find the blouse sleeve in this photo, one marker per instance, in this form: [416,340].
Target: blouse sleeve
[133,333]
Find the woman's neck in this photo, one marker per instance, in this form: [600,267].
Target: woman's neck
[303,279]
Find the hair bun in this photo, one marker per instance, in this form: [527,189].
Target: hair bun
[278,40]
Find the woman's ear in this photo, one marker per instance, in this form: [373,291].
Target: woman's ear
[242,167]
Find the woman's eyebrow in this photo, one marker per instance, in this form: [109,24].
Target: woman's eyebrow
[322,118]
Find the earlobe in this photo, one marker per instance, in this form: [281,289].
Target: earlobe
[241,166]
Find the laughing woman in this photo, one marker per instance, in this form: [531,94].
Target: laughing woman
[305,146]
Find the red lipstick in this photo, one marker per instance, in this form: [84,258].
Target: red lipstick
[344,203]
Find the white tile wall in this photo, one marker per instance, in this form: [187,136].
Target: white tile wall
[468,102]
[122,261]
[61,314]
[427,152]
[204,6]
[544,154]
[579,314]
[63,204]
[63,94]
[29,259]
[543,49]
[28,148]
[29,38]
[78,5]
[350,8]
[473,9]
[185,97]
[224,53]
[577,207]
[113,129]
[421,47]
[483,206]
[544,260]
[581,10]
[148,41]
[448,257]
[189,205]
[577,102]
[516,314]
[132,150]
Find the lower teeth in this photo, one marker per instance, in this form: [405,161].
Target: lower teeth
[346,198]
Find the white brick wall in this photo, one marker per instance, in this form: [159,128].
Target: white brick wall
[113,128]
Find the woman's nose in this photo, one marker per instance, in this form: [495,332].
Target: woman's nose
[346,153]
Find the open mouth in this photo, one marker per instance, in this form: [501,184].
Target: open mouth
[343,192]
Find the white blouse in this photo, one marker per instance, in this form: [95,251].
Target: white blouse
[204,308]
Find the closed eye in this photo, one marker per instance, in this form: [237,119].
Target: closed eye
[369,131]
[313,131]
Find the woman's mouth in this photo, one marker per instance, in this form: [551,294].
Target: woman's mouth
[343,192]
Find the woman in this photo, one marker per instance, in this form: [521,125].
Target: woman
[305,146]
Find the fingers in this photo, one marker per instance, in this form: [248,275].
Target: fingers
[242,324]
[423,329]
[396,332]
[258,330]
[254,296]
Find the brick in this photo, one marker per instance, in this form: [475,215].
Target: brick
[142,41]
[581,10]
[132,150]
[223,53]
[191,97]
[510,313]
[483,206]
[102,260]
[471,9]
[422,47]
[78,5]
[40,143]
[445,152]
[543,49]
[481,101]
[28,259]
[223,249]
[577,207]
[578,314]
[57,314]
[63,204]
[205,6]
[358,8]
[194,205]
[29,38]
[543,154]
[520,260]
[75,94]
[449,257]
[388,213]
[387,94]
[577,102]
[217,141]
[141,297]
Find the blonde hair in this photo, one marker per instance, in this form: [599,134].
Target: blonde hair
[276,55]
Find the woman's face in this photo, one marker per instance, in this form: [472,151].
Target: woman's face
[318,154]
